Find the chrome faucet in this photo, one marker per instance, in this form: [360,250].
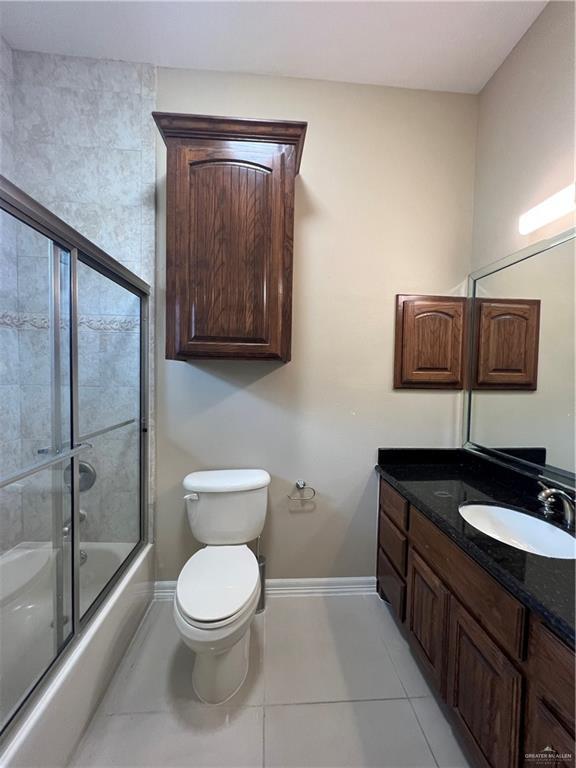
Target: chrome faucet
[547,497]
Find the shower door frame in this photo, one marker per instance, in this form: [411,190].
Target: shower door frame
[16,202]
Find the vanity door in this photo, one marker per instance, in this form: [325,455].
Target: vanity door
[484,691]
[427,612]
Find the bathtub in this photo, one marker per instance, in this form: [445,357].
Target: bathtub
[56,715]
[28,640]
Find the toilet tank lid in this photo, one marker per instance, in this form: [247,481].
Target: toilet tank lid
[226,480]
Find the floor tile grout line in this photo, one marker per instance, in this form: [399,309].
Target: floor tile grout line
[341,701]
[381,635]
[424,733]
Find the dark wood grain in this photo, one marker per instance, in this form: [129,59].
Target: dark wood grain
[390,586]
[230,219]
[176,125]
[545,730]
[507,336]
[429,342]
[484,690]
[495,608]
[426,616]
[394,543]
[551,668]
[394,505]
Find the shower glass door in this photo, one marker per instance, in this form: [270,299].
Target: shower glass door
[73,338]
[35,436]
[109,421]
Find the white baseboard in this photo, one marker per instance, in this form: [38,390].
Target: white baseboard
[354,585]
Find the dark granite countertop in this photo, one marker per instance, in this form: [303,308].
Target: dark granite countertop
[437,481]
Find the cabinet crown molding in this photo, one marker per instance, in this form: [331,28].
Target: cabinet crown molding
[175,125]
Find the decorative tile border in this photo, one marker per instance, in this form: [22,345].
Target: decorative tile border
[21,320]
[28,321]
[109,323]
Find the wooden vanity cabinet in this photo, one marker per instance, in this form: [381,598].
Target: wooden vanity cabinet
[507,679]
[229,232]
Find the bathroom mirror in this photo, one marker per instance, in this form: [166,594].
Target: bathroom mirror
[520,399]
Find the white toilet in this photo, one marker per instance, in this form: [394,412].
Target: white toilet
[219,587]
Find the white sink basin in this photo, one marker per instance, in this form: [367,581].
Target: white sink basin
[520,530]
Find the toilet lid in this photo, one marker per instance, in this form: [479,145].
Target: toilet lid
[217,582]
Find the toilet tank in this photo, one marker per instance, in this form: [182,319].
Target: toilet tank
[226,506]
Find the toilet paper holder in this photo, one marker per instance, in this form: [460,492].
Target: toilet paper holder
[301,486]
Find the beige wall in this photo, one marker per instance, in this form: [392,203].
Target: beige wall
[383,206]
[525,135]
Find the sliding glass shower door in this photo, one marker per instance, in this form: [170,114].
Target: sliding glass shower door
[72,438]
[109,419]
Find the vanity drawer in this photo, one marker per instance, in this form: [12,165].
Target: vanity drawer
[551,665]
[493,607]
[394,543]
[391,586]
[394,505]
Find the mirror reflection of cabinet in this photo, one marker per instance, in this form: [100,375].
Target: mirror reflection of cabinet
[507,332]
[529,337]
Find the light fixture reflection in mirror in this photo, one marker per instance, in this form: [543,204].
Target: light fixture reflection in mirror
[549,210]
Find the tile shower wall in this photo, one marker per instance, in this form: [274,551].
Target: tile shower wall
[77,135]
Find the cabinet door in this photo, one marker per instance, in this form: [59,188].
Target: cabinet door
[507,343]
[229,255]
[484,691]
[429,342]
[426,616]
[547,735]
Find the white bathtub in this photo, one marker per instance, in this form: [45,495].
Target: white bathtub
[53,721]
[102,561]
[27,593]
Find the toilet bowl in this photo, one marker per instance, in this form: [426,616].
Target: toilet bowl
[218,589]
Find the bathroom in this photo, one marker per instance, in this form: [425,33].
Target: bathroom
[310,502]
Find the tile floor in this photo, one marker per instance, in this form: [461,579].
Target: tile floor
[332,683]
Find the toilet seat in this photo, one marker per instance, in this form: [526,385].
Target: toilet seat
[216,585]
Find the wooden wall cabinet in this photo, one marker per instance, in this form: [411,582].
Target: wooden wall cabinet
[430,342]
[469,635]
[230,221]
[507,333]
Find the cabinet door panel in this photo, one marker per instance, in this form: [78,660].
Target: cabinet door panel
[230,248]
[426,616]
[484,691]
[547,736]
[429,341]
[507,343]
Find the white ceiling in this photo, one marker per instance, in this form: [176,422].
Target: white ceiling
[449,46]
